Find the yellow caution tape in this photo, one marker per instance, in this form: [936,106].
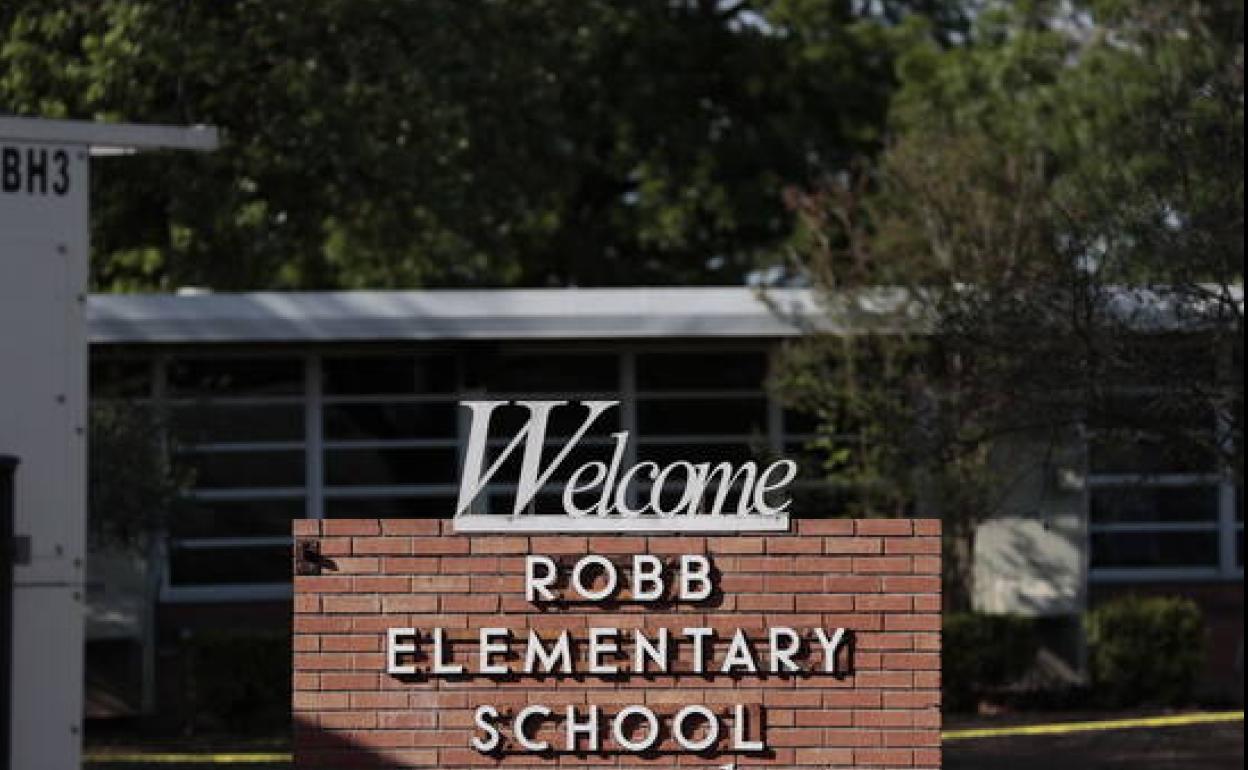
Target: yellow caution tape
[256,758]
[173,758]
[1176,720]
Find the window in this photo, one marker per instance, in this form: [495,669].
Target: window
[266,518]
[277,435]
[121,378]
[1164,527]
[237,422]
[389,434]
[1149,525]
[1160,505]
[530,374]
[705,405]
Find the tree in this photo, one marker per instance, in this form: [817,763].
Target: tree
[1061,209]
[381,144]
[135,483]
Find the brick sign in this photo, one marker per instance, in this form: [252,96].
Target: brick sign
[416,647]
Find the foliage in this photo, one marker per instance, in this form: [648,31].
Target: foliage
[982,653]
[133,483]
[1059,215]
[371,143]
[1145,651]
[239,682]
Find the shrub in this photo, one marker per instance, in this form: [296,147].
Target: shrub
[982,653]
[1145,650]
[240,681]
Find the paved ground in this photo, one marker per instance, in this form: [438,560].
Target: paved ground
[1208,747]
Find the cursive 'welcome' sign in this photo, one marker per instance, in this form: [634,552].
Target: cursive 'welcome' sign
[642,497]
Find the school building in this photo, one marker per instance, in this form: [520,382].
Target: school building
[345,404]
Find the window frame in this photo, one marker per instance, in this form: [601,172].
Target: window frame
[246,591]
[315,492]
[1228,527]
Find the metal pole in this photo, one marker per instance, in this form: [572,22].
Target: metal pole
[8,465]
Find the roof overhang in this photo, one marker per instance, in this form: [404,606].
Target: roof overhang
[566,314]
[109,138]
[499,314]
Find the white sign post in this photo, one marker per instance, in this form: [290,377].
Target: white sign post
[44,251]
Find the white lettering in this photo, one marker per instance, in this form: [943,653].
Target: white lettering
[730,494]
[644,649]
[695,568]
[560,653]
[535,583]
[520,728]
[395,648]
[739,655]
[830,647]
[739,726]
[533,433]
[575,485]
[493,642]
[660,484]
[647,577]
[621,490]
[588,728]
[783,653]
[482,717]
[699,636]
[681,733]
[764,486]
[634,728]
[727,480]
[604,507]
[602,641]
[652,728]
[608,569]
[440,665]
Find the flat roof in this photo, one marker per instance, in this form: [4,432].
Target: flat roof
[566,314]
[494,314]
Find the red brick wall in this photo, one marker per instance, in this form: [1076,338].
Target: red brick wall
[878,578]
